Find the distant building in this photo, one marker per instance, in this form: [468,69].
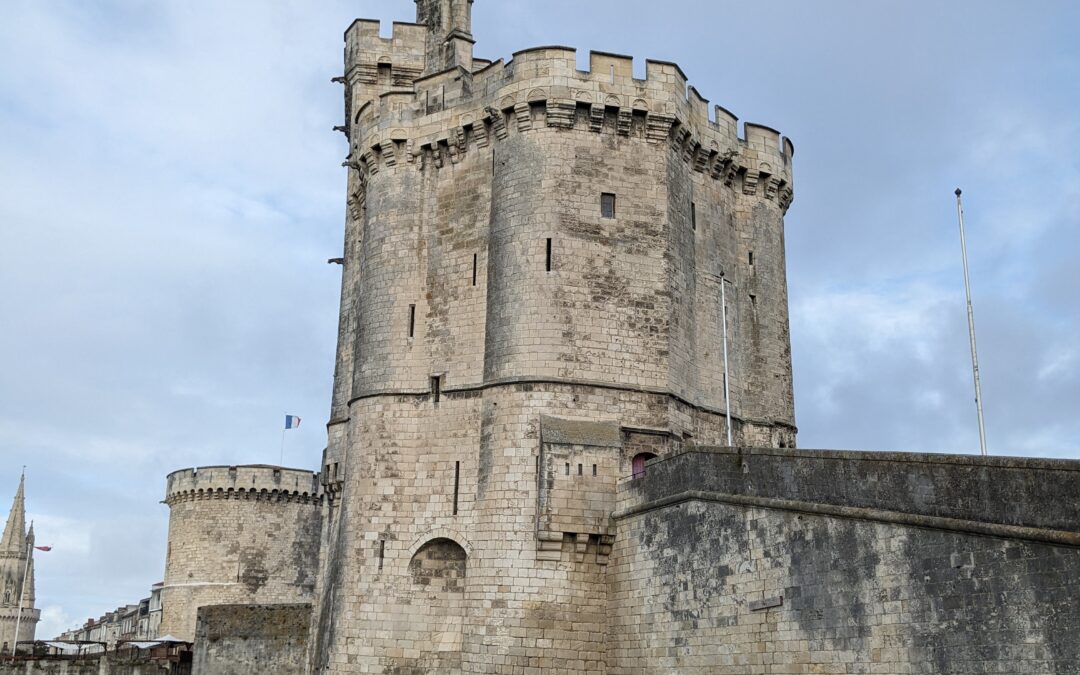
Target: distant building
[17,576]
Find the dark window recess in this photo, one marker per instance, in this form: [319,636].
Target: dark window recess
[457,484]
[412,320]
[594,469]
[750,258]
[474,263]
[436,388]
[579,470]
[693,216]
[753,300]
[385,73]
[607,205]
[548,263]
[568,468]
[382,552]
[639,463]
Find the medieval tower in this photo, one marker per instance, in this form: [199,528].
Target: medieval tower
[537,263]
[17,576]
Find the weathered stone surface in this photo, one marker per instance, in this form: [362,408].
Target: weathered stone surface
[241,534]
[246,639]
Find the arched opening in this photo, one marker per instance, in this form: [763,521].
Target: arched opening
[437,572]
[639,463]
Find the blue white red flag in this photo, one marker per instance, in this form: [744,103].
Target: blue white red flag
[292,422]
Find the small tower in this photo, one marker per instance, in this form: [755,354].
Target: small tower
[17,571]
[450,41]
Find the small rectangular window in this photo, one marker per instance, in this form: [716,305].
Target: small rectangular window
[607,205]
[579,470]
[382,552]
[594,469]
[568,468]
[474,263]
[436,387]
[457,483]
[412,320]
[693,216]
[385,73]
[750,258]
[548,263]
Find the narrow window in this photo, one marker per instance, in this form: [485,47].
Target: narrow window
[594,469]
[693,216]
[568,468]
[753,300]
[474,269]
[457,483]
[548,263]
[382,552]
[750,258]
[412,320]
[436,388]
[579,470]
[385,73]
[607,205]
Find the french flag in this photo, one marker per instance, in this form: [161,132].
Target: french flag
[292,422]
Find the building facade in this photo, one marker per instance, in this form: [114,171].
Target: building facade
[18,616]
[538,262]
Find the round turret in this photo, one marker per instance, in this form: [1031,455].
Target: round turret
[238,535]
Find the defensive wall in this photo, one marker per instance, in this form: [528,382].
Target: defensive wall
[238,535]
[246,639]
[795,561]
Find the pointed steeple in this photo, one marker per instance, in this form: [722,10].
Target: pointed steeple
[14,539]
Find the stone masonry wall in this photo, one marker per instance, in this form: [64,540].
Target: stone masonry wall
[247,639]
[846,563]
[238,535]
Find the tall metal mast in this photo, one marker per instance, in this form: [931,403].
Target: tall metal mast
[971,324]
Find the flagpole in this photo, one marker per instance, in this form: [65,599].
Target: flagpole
[971,325]
[22,595]
[727,386]
[281,459]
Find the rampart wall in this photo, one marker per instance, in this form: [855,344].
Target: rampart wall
[238,535]
[766,561]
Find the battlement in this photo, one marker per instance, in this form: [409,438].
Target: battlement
[365,48]
[410,116]
[242,482]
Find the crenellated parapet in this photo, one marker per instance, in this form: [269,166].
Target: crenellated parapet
[248,483]
[436,120]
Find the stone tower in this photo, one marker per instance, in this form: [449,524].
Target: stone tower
[531,308]
[245,535]
[16,548]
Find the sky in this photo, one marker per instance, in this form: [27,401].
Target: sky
[170,191]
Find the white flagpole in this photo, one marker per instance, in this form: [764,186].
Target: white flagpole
[281,459]
[727,379]
[971,325]
[22,595]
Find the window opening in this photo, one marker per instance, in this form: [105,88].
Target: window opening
[382,552]
[607,205]
[548,264]
[436,388]
[693,216]
[474,264]
[750,258]
[579,469]
[412,320]
[594,469]
[457,484]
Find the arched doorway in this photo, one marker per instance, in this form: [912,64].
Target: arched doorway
[639,463]
[437,574]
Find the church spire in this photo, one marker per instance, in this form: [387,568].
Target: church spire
[14,538]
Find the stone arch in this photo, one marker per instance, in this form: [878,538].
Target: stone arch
[441,533]
[639,461]
[436,589]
